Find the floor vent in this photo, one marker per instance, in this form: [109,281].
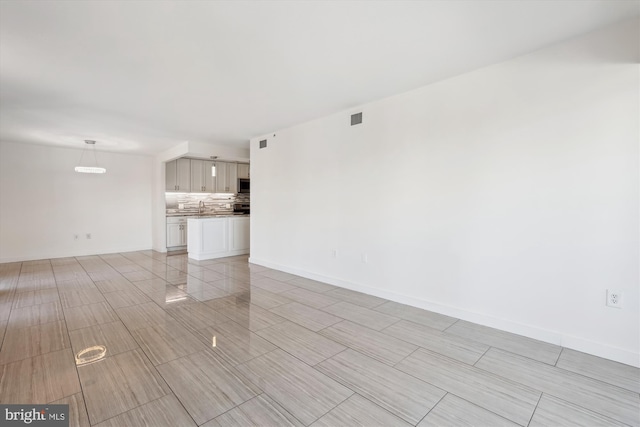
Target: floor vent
[263,143]
[356,119]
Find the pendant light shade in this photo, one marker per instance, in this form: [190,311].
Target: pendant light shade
[213,165]
[89,169]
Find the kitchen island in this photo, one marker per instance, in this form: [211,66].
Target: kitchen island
[218,236]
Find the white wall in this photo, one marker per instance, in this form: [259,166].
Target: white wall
[507,196]
[43,203]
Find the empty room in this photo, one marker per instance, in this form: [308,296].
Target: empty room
[320,213]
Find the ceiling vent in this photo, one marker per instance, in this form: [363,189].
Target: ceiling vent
[263,143]
[356,119]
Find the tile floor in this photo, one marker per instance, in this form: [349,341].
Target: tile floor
[225,342]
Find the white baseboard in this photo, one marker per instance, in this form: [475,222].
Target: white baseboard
[553,337]
[161,249]
[66,254]
[204,256]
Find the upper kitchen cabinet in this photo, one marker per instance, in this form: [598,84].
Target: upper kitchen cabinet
[243,171]
[202,180]
[226,177]
[232,177]
[178,175]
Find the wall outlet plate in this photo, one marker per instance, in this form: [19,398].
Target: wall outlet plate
[614,298]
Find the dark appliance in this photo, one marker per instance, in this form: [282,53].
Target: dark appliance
[244,185]
[241,208]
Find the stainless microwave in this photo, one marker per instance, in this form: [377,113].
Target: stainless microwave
[244,185]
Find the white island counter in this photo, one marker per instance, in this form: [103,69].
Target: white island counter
[217,237]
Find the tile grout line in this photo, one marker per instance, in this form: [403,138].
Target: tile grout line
[40,354]
[254,397]
[84,400]
[546,365]
[499,348]
[453,394]
[457,320]
[11,310]
[392,367]
[570,373]
[416,324]
[447,391]
[480,358]
[292,355]
[433,407]
[350,396]
[6,326]
[535,409]
[486,409]
[559,356]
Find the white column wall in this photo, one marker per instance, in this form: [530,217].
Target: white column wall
[507,196]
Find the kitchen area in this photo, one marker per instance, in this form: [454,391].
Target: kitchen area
[207,207]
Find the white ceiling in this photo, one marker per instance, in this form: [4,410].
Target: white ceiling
[144,76]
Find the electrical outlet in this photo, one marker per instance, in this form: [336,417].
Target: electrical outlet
[365,257]
[334,253]
[76,237]
[614,298]
[88,235]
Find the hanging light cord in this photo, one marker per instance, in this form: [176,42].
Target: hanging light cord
[90,169]
[95,158]
[84,150]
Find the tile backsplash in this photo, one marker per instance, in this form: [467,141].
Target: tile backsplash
[214,203]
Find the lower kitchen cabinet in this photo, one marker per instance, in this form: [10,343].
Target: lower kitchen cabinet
[211,238]
[176,232]
[239,237]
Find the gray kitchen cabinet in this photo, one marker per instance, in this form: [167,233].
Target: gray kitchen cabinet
[201,179]
[221,177]
[232,178]
[226,177]
[178,175]
[243,171]
[197,175]
[176,232]
[171,176]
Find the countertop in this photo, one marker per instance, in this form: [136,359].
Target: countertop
[205,215]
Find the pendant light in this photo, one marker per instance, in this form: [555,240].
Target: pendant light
[89,169]
[213,166]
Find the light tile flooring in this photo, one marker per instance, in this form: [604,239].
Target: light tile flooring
[225,342]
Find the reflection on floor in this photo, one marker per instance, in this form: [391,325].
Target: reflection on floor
[143,338]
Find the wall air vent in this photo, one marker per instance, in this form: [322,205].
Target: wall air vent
[263,143]
[356,119]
